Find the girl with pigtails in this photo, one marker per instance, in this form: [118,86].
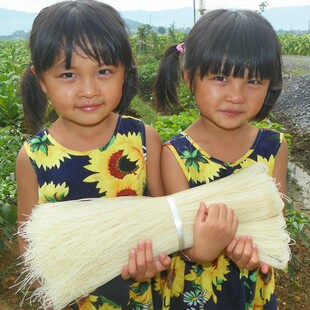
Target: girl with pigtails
[231,63]
[83,66]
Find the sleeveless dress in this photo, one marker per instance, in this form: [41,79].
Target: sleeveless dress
[221,284]
[116,169]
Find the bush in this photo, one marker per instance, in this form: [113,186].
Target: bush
[147,73]
[168,126]
[14,57]
[10,143]
[295,44]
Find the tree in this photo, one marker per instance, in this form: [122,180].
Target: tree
[161,30]
[263,6]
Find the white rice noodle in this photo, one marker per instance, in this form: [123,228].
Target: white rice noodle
[76,246]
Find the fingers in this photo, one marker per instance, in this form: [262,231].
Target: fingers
[243,252]
[202,212]
[125,272]
[264,268]
[230,247]
[144,260]
[141,262]
[214,228]
[163,262]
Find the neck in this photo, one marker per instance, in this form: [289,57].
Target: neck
[83,138]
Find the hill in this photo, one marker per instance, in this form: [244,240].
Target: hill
[282,18]
[11,21]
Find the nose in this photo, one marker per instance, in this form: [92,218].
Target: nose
[88,88]
[236,93]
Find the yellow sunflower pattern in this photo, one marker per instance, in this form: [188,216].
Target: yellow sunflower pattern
[220,285]
[116,169]
[49,192]
[120,166]
[44,153]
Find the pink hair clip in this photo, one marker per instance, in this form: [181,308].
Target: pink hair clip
[180,48]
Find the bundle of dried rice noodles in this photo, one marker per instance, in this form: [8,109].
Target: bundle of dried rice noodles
[76,246]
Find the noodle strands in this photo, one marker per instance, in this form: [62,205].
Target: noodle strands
[76,246]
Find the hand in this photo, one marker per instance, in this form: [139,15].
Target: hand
[141,263]
[214,229]
[244,253]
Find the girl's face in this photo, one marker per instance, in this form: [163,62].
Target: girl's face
[86,93]
[228,102]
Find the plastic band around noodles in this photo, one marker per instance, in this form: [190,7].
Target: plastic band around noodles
[177,222]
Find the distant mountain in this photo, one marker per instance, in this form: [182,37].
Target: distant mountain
[285,18]
[289,18]
[11,21]
[182,18]
[282,18]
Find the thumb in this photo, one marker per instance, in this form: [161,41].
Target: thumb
[202,212]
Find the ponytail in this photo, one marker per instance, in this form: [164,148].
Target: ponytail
[167,80]
[34,102]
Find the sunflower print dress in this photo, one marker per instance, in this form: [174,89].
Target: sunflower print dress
[116,169]
[221,284]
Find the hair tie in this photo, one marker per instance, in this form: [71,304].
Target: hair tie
[180,48]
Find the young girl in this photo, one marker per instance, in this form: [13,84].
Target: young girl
[82,65]
[231,63]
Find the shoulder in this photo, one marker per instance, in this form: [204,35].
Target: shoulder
[271,133]
[22,155]
[23,163]
[125,119]
[152,137]
[271,138]
[151,131]
[174,139]
[179,142]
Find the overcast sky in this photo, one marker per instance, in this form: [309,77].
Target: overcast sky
[154,5]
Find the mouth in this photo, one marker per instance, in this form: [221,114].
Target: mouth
[231,113]
[89,107]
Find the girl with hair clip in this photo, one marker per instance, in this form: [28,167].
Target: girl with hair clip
[83,66]
[231,63]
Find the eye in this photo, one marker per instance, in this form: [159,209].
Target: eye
[104,71]
[254,82]
[68,75]
[220,78]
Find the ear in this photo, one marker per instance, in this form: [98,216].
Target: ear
[40,81]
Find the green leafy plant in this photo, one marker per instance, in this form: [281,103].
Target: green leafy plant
[147,73]
[10,143]
[298,225]
[168,126]
[295,44]
[14,56]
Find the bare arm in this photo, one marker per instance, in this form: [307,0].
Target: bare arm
[153,148]
[27,190]
[174,179]
[280,167]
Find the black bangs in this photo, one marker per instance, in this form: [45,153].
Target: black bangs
[234,43]
[107,45]
[226,42]
[76,27]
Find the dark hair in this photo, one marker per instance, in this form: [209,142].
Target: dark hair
[93,27]
[224,42]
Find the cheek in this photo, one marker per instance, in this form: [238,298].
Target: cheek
[115,92]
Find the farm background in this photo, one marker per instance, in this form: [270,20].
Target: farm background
[148,47]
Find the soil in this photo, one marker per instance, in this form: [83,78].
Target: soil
[293,292]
